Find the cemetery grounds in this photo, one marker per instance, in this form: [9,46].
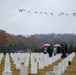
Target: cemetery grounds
[71,69]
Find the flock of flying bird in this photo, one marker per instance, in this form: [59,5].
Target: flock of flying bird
[61,13]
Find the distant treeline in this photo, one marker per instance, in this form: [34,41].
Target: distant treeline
[12,43]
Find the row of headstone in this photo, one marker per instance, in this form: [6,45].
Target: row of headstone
[36,60]
[19,58]
[64,64]
[7,66]
[1,56]
[61,67]
[40,60]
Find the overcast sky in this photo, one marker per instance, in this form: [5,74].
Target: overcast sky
[15,22]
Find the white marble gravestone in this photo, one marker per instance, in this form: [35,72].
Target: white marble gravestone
[7,73]
[1,56]
[57,70]
[50,73]
[18,64]
[41,65]
[7,66]
[24,70]
[26,61]
[34,68]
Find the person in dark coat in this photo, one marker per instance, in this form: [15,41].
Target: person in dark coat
[64,51]
[50,51]
[66,47]
[58,49]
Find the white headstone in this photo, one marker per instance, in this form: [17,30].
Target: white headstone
[50,60]
[7,73]
[23,70]
[7,67]
[34,68]
[50,73]
[41,65]
[57,70]
[45,61]
[26,62]
[18,64]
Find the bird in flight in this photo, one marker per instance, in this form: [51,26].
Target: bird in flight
[59,14]
[46,13]
[29,11]
[23,9]
[62,13]
[36,12]
[40,12]
[74,14]
[66,14]
[51,14]
[20,10]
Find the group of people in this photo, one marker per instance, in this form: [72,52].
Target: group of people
[53,50]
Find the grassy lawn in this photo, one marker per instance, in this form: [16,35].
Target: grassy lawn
[71,70]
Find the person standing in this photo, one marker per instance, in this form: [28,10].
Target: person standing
[64,51]
[50,51]
[45,50]
[55,50]
[58,49]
